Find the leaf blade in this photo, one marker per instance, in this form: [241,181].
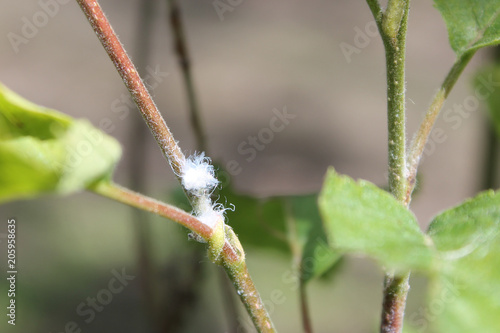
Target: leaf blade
[467,238]
[362,219]
[43,151]
[471,24]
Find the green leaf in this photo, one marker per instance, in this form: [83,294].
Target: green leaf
[316,255]
[361,218]
[471,24]
[288,224]
[487,84]
[44,151]
[468,240]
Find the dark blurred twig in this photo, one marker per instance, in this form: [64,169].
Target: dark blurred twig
[492,146]
[138,135]
[183,58]
[181,50]
[490,168]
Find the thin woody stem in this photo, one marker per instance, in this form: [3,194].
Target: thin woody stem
[134,199]
[134,84]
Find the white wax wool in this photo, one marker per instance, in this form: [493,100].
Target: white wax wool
[212,217]
[198,174]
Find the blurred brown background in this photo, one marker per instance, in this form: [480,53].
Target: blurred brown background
[260,56]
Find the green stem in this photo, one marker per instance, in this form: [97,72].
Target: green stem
[490,166]
[393,17]
[238,274]
[376,11]
[395,61]
[229,301]
[296,250]
[184,60]
[418,145]
[392,26]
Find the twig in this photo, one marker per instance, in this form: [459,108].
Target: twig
[304,308]
[181,49]
[392,26]
[420,139]
[137,143]
[238,273]
[393,307]
[224,246]
[229,301]
[134,199]
[134,84]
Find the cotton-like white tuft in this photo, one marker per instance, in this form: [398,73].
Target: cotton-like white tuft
[211,218]
[198,175]
[198,178]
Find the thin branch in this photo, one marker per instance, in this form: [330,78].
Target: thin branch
[418,145]
[238,273]
[134,84]
[393,34]
[304,308]
[231,308]
[395,49]
[232,257]
[181,49]
[376,11]
[395,292]
[134,199]
[137,142]
[224,246]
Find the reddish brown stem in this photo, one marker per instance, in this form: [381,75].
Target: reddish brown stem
[175,214]
[134,84]
[304,309]
[393,306]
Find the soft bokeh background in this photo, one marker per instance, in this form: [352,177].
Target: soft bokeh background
[262,55]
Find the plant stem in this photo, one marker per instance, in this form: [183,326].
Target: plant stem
[376,11]
[490,164]
[304,308]
[229,301]
[393,307]
[181,49]
[134,84]
[392,26]
[224,246]
[238,273]
[137,174]
[134,199]
[395,48]
[232,257]
[296,249]
[418,145]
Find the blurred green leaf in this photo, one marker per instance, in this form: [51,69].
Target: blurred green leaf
[363,219]
[317,257]
[487,84]
[471,24]
[468,240]
[288,224]
[44,151]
